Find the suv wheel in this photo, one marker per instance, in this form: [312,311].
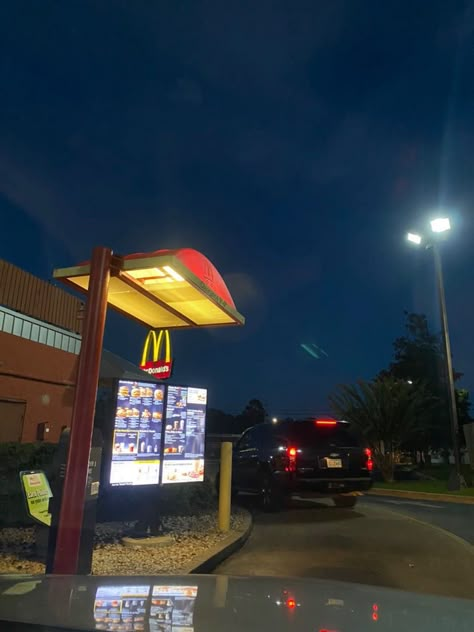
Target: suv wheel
[272,497]
[345,501]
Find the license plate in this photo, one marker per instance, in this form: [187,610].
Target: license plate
[334,462]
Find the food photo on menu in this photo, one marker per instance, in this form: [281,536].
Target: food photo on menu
[184,471]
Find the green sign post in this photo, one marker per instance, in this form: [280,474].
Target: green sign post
[37,493]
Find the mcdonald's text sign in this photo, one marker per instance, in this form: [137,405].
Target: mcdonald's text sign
[158,367]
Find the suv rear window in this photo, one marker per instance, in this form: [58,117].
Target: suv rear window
[306,432]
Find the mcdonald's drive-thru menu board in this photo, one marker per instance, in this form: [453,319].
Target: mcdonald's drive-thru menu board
[185,425]
[161,608]
[136,449]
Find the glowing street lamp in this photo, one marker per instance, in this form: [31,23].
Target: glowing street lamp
[414,238]
[442,225]
[274,420]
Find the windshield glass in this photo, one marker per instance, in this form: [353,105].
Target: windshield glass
[236,311]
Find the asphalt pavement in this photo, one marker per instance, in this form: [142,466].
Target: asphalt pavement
[458,519]
[371,544]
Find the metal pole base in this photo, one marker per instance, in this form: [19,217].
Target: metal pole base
[456,481]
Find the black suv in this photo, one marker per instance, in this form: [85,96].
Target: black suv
[320,456]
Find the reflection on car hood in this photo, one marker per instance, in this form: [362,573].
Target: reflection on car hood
[204,603]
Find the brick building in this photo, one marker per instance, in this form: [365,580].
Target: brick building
[40,338]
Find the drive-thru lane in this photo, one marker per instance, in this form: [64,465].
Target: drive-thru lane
[368,545]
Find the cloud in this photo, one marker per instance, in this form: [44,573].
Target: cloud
[38,197]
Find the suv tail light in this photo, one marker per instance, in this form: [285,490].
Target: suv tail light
[326,422]
[370,463]
[291,454]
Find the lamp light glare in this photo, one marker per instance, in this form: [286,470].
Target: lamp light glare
[414,238]
[440,224]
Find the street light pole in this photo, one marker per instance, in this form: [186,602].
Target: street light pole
[456,480]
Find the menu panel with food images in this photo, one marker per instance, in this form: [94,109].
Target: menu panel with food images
[185,427]
[121,608]
[136,449]
[172,608]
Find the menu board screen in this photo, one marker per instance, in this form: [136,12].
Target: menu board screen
[121,607]
[136,448]
[185,427]
[172,608]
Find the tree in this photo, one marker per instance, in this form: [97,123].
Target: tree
[463,404]
[219,422]
[419,358]
[387,412]
[254,413]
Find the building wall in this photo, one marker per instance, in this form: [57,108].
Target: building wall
[27,294]
[43,377]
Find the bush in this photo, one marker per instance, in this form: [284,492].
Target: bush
[186,499]
[129,503]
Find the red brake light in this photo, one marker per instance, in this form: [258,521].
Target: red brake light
[290,603]
[375,612]
[370,463]
[326,422]
[291,454]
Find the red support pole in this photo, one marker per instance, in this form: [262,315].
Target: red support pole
[74,490]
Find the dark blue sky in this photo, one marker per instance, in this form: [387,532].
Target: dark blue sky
[293,143]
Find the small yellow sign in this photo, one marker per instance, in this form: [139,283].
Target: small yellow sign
[37,494]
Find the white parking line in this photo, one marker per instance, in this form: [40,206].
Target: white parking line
[410,502]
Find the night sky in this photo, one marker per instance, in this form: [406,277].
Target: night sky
[293,143]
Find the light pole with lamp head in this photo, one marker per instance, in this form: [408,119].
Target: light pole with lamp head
[438,226]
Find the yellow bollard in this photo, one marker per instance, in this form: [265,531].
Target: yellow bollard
[220,591]
[225,486]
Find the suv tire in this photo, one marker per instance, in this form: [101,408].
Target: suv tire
[272,497]
[345,501]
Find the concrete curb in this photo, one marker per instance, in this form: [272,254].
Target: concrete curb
[401,493]
[208,561]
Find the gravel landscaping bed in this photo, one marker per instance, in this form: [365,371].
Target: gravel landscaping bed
[192,536]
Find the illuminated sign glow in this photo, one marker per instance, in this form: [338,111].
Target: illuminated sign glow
[185,426]
[136,447]
[151,444]
[164,289]
[159,368]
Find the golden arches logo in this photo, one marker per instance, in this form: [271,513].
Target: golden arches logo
[155,366]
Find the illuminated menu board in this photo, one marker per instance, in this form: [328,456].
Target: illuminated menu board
[136,448]
[185,427]
[172,608]
[121,608]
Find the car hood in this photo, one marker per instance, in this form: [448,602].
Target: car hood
[204,603]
